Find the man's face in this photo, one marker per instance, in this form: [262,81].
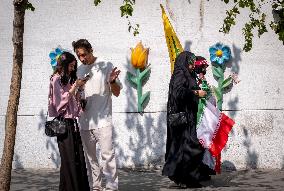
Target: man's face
[84,56]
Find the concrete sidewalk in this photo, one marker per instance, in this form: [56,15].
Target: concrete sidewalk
[136,180]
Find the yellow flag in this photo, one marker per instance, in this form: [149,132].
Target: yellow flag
[173,43]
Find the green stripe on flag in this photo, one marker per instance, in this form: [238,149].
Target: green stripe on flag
[201,107]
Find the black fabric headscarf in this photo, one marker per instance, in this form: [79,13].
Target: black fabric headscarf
[182,62]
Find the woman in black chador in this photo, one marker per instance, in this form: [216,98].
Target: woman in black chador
[184,153]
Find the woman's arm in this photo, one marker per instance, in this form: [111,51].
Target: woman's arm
[60,97]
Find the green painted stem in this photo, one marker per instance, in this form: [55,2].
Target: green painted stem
[220,82]
[220,101]
[139,90]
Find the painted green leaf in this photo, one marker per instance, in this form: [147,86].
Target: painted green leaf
[226,82]
[145,74]
[132,79]
[145,97]
[217,71]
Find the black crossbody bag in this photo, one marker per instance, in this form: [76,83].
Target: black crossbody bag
[55,127]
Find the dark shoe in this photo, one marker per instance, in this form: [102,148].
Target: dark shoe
[173,186]
[194,185]
[205,178]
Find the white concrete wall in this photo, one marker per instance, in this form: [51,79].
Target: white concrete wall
[256,103]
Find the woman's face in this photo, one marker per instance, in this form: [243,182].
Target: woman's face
[191,67]
[71,67]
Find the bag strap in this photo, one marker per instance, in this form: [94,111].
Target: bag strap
[46,115]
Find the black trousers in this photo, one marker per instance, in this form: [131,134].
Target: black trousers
[73,172]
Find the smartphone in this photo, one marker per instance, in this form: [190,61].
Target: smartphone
[87,77]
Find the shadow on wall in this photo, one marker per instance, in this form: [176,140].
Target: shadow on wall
[252,156]
[228,166]
[234,66]
[146,140]
[187,45]
[50,145]
[282,164]
[17,162]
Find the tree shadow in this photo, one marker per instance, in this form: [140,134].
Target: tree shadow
[51,143]
[234,66]
[282,164]
[252,156]
[228,166]
[29,179]
[17,162]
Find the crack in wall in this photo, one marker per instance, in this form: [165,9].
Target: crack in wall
[171,13]
[201,14]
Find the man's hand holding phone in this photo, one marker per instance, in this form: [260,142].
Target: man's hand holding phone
[82,82]
[87,77]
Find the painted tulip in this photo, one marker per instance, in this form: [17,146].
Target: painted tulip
[139,56]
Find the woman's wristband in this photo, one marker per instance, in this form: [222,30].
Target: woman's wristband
[196,92]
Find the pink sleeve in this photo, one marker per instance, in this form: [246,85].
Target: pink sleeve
[60,96]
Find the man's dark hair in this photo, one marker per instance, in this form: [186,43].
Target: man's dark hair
[82,43]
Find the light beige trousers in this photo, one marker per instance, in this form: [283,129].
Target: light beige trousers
[102,136]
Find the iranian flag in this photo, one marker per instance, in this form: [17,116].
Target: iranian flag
[213,127]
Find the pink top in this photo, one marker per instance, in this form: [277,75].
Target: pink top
[60,101]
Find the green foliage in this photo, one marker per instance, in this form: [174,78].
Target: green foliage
[278,24]
[126,10]
[29,6]
[257,19]
[97,2]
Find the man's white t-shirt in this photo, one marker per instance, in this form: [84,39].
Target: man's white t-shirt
[98,110]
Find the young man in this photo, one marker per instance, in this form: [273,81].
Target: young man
[96,118]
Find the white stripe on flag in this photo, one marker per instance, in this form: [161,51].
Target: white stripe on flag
[208,124]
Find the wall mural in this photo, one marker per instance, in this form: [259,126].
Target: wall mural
[219,55]
[139,61]
[54,55]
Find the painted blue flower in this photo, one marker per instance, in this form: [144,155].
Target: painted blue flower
[219,53]
[53,55]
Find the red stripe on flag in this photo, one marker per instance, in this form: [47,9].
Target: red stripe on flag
[220,139]
[218,164]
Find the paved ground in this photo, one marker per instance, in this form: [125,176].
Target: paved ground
[136,180]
